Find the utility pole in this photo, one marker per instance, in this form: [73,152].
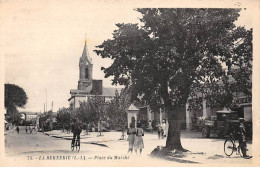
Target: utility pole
[46,101]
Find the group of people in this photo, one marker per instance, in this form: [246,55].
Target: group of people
[135,138]
[30,129]
[135,135]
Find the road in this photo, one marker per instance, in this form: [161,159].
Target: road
[24,146]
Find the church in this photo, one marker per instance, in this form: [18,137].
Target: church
[87,86]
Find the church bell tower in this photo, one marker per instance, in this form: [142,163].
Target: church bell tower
[85,70]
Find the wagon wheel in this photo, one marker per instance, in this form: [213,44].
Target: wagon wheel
[205,133]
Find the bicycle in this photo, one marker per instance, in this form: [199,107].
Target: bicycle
[75,145]
[230,146]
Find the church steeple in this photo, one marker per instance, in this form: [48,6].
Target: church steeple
[85,55]
[85,69]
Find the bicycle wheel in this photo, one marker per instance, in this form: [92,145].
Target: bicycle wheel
[78,145]
[72,146]
[229,147]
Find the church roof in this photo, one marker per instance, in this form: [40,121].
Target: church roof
[85,55]
[109,91]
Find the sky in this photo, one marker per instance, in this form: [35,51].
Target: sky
[43,41]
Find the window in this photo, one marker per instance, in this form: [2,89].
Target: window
[86,73]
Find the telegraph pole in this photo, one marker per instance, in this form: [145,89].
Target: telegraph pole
[46,101]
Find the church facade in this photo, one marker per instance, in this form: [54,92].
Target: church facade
[87,86]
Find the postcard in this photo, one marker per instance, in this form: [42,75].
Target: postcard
[129,83]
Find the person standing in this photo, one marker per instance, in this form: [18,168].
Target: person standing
[138,141]
[131,137]
[163,128]
[159,130]
[30,129]
[242,138]
[150,128]
[26,129]
[17,129]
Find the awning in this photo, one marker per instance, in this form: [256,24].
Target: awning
[226,111]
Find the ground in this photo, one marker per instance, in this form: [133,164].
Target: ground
[109,149]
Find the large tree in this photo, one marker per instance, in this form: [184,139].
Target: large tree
[15,97]
[176,53]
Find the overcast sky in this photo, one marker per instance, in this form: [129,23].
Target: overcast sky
[43,41]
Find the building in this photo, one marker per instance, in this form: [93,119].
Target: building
[87,86]
[188,116]
[31,116]
[243,107]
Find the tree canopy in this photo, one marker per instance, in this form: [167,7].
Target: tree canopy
[177,53]
[15,97]
[177,49]
[116,109]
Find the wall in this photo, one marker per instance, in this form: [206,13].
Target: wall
[248,113]
[97,87]
[78,100]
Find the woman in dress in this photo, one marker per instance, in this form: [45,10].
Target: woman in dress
[131,137]
[139,143]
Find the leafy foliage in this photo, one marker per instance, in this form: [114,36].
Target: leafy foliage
[15,97]
[178,51]
[98,106]
[116,109]
[64,117]
[178,54]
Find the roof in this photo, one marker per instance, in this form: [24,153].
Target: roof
[30,113]
[226,111]
[85,55]
[110,91]
[132,107]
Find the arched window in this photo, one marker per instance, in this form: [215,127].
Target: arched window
[86,73]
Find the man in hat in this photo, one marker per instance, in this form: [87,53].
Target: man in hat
[242,138]
[76,130]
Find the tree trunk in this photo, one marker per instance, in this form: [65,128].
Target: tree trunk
[173,141]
